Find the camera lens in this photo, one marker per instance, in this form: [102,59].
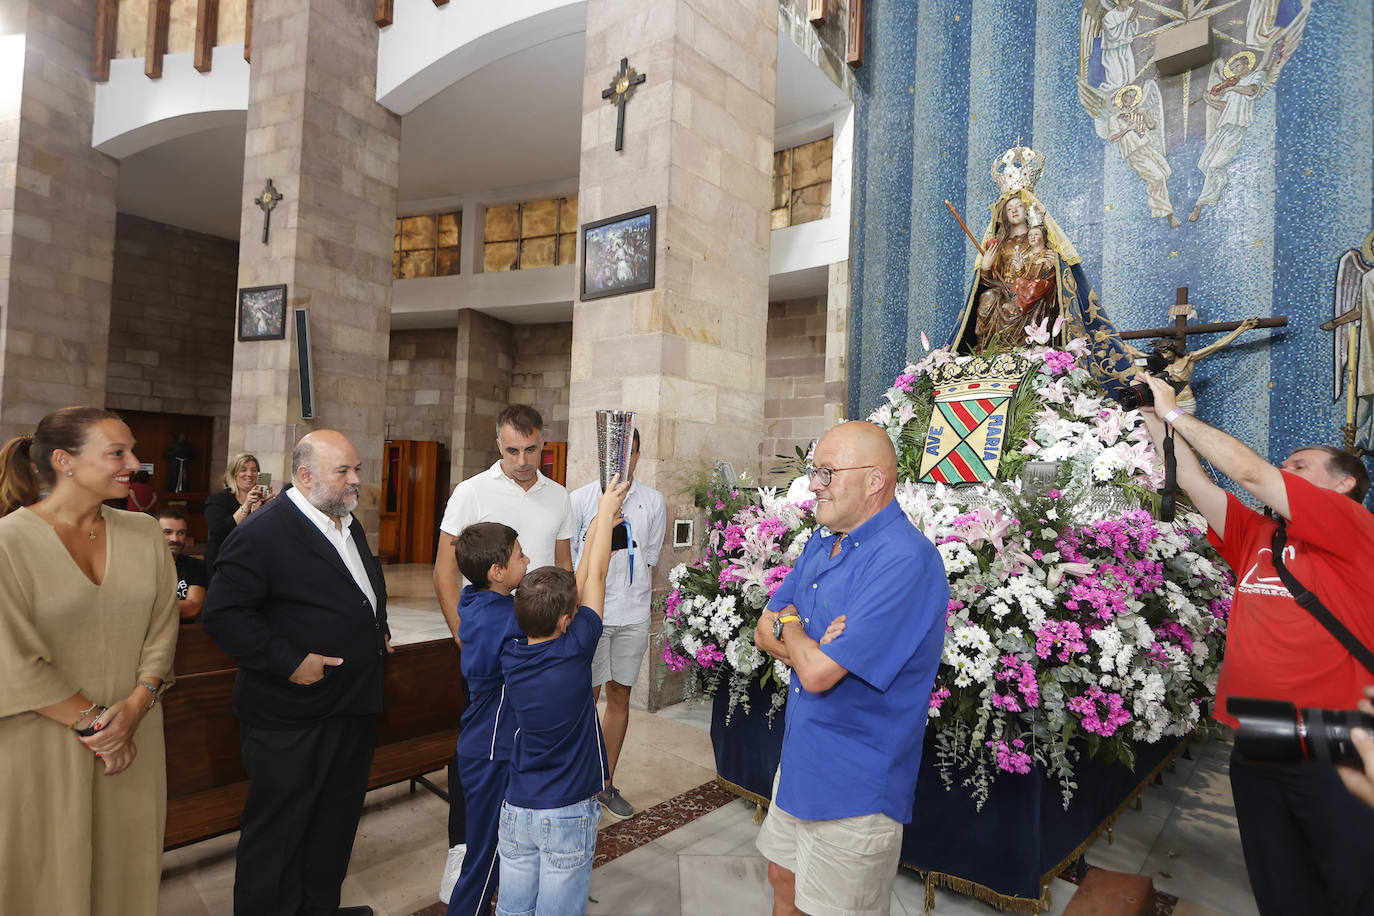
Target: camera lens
[1272,731]
[1135,397]
[1328,734]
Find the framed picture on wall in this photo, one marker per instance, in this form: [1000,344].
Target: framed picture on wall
[262,312]
[618,254]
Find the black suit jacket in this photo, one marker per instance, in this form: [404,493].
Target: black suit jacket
[280,591]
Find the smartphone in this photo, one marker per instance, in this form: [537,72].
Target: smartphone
[265,485]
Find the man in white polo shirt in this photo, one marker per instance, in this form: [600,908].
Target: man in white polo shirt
[635,548]
[513,492]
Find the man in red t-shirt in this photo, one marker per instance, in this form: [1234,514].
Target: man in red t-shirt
[1307,846]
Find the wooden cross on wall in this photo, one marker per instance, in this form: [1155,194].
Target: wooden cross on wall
[270,198]
[622,86]
[1181,329]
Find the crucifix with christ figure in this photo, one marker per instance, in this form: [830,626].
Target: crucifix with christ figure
[1173,354]
[622,86]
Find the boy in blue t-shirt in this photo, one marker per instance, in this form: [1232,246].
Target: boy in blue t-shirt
[548,821]
[489,556]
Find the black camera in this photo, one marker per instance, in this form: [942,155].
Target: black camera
[1156,363]
[1273,731]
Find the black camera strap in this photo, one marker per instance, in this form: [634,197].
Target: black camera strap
[1169,495]
[1313,605]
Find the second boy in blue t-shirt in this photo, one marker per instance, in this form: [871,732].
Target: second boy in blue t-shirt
[489,557]
[548,822]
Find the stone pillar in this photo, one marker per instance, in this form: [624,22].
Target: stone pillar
[57,215]
[687,356]
[482,371]
[316,130]
[837,346]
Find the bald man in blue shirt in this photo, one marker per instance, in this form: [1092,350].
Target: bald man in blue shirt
[856,710]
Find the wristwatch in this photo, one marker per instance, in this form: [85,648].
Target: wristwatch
[781,622]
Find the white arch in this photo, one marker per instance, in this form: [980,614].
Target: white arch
[429,48]
[134,113]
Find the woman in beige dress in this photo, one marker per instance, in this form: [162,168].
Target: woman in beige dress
[88,627]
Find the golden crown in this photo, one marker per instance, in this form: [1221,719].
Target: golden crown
[1019,168]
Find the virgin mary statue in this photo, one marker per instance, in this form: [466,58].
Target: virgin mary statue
[1029,274]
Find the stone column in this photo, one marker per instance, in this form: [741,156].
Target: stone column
[482,375]
[837,345]
[57,215]
[688,355]
[316,130]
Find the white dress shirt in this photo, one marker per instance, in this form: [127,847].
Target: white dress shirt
[627,601]
[341,540]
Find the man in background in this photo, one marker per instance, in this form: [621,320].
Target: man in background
[635,546]
[191,574]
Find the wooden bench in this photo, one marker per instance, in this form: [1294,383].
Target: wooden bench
[206,782]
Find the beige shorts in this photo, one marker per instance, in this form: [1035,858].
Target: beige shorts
[619,654]
[843,867]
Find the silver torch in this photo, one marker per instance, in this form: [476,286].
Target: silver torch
[614,439]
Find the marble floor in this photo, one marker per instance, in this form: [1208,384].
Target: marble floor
[1184,837]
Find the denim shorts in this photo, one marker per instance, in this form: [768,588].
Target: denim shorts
[546,858]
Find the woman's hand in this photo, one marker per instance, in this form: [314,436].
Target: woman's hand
[253,500]
[118,724]
[119,761]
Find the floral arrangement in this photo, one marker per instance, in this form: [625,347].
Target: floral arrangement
[1077,623]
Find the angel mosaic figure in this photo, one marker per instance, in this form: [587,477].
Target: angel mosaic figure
[1231,104]
[1117,49]
[1137,128]
[1353,376]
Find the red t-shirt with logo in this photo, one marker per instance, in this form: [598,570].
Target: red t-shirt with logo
[1274,648]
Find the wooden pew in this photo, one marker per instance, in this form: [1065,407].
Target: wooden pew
[206,782]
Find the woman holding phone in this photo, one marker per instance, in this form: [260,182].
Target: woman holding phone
[226,508]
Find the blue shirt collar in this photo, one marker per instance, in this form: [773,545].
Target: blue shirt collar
[880,520]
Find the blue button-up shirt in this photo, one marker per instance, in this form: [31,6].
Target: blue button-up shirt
[855,749]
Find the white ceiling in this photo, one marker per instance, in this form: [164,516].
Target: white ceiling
[193,182]
[515,122]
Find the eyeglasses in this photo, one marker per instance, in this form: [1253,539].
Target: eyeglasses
[826,473]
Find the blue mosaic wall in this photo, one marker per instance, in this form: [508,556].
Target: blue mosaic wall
[948,85]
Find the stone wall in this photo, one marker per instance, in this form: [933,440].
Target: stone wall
[172,323]
[539,376]
[57,215]
[794,389]
[419,390]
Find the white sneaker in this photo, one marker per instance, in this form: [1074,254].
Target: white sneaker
[452,866]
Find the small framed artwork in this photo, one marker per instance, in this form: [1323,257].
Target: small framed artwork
[618,254]
[262,312]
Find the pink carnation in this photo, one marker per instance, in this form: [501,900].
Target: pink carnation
[674,661]
[773,578]
[709,655]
